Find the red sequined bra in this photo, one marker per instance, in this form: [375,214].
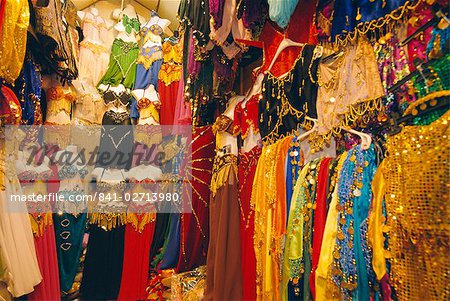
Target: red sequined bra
[246,116]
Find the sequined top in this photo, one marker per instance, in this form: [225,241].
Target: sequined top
[172,53]
[58,100]
[246,116]
[417,213]
[13,39]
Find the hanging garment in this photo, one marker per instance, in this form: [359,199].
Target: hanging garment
[340,98]
[138,238]
[162,227]
[122,64]
[168,81]
[31,93]
[246,173]
[40,215]
[195,226]
[69,230]
[20,268]
[94,55]
[269,200]
[223,263]
[280,11]
[287,101]
[13,38]
[149,61]
[347,14]
[70,221]
[245,121]
[117,141]
[183,114]
[56,33]
[105,251]
[413,208]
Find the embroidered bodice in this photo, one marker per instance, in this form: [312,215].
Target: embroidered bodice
[246,116]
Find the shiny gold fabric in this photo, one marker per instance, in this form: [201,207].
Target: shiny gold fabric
[346,82]
[414,181]
[13,40]
[270,223]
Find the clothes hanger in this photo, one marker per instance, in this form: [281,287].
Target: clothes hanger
[283,45]
[366,140]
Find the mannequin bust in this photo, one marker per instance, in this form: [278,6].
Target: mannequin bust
[131,14]
[155,27]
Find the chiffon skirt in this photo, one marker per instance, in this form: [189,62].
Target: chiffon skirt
[246,174]
[168,98]
[69,230]
[17,249]
[195,226]
[136,262]
[103,264]
[49,288]
[223,264]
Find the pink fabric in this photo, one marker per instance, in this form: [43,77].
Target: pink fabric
[45,245]
[183,115]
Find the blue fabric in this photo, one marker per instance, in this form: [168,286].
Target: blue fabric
[280,11]
[172,249]
[444,39]
[345,12]
[31,82]
[69,232]
[134,112]
[145,78]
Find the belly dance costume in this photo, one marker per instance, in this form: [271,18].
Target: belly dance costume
[168,81]
[195,226]
[138,238]
[44,239]
[122,64]
[18,255]
[116,141]
[150,59]
[70,223]
[245,119]
[223,264]
[103,263]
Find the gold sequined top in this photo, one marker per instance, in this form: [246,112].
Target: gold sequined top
[414,182]
[13,39]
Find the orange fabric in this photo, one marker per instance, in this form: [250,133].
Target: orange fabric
[279,216]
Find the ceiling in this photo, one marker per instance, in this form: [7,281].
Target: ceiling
[166,9]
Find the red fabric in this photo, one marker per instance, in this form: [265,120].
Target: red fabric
[10,108]
[246,173]
[136,262]
[168,97]
[246,115]
[320,217]
[45,246]
[301,19]
[194,232]
[417,46]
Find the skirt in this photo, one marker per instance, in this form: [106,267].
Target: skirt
[103,263]
[223,264]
